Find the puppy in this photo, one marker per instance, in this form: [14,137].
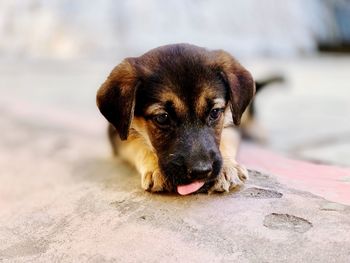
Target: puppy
[171,114]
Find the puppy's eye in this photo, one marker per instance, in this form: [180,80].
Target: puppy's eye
[162,119]
[215,114]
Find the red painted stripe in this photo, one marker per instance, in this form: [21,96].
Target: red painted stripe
[330,182]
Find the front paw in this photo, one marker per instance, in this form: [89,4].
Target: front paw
[232,176]
[153,181]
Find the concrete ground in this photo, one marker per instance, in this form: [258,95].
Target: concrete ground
[64,198]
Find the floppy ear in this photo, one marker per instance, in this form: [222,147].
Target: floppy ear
[240,82]
[116,97]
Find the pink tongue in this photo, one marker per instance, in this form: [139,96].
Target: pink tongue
[189,188]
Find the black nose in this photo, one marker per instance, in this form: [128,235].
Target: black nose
[200,170]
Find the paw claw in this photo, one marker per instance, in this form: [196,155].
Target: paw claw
[153,181]
[232,176]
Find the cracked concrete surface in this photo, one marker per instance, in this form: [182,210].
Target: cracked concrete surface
[63,198]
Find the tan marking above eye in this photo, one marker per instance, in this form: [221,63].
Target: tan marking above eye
[219,103]
[155,109]
[202,104]
[203,97]
[158,108]
[208,93]
[178,104]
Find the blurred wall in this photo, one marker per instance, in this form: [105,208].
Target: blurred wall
[79,28]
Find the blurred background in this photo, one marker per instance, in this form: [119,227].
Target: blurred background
[54,54]
[62,29]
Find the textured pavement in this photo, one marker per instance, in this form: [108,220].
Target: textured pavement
[63,198]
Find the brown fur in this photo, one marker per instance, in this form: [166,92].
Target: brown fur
[190,86]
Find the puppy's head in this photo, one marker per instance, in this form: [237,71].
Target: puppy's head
[175,97]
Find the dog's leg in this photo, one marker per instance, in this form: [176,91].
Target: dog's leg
[136,151]
[232,174]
